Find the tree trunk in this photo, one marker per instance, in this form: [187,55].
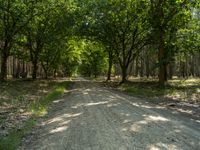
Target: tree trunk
[55,73]
[142,67]
[14,67]
[161,58]
[192,67]
[147,65]
[171,70]
[3,74]
[124,74]
[137,67]
[109,69]
[18,69]
[34,71]
[131,69]
[46,73]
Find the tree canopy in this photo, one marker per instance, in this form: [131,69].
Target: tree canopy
[103,37]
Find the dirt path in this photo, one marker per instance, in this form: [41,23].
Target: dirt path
[94,118]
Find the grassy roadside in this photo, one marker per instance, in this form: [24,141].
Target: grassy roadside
[180,90]
[13,140]
[35,108]
[40,107]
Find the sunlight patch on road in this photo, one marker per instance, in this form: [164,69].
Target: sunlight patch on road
[198,121]
[161,146]
[61,119]
[157,118]
[54,120]
[72,115]
[137,126]
[85,93]
[98,103]
[113,104]
[142,105]
[125,114]
[57,101]
[153,148]
[127,121]
[89,104]
[65,122]
[59,129]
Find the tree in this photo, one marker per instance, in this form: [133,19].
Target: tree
[14,16]
[49,26]
[164,15]
[71,56]
[121,25]
[93,59]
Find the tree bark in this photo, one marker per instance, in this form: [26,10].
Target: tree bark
[124,75]
[46,74]
[137,67]
[109,68]
[4,58]
[171,70]
[142,67]
[147,65]
[161,58]
[34,72]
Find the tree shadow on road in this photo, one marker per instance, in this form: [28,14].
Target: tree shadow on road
[95,118]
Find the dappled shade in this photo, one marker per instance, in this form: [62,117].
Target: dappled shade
[104,119]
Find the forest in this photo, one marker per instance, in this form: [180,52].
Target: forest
[145,38]
[146,51]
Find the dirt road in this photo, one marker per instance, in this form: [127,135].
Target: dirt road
[95,118]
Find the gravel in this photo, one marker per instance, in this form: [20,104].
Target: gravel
[91,117]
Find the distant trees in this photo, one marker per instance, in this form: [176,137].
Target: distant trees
[93,59]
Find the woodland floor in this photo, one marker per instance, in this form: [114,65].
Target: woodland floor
[94,117]
[21,103]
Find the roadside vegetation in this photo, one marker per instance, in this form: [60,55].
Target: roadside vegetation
[187,90]
[22,102]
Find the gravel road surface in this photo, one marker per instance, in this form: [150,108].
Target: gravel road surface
[91,117]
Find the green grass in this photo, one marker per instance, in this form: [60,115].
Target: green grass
[37,107]
[12,141]
[147,92]
[182,90]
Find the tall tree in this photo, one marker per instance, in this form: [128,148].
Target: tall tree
[163,15]
[48,28]
[14,16]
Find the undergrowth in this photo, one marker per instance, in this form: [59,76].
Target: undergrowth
[37,108]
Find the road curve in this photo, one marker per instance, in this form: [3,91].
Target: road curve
[92,117]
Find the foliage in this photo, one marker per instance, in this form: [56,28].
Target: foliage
[71,56]
[120,25]
[93,59]
[14,16]
[57,36]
